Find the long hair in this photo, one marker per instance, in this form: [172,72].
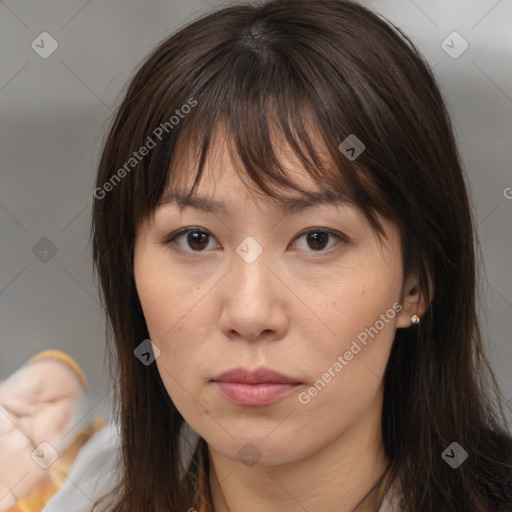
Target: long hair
[295,72]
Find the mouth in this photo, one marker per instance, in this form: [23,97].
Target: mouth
[255,388]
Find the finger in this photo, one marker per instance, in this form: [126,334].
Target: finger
[7,421]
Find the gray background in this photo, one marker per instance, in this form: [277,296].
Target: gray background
[55,112]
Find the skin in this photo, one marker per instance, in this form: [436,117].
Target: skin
[294,309]
[37,404]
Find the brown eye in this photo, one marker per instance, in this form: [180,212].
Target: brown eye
[317,240]
[191,240]
[197,240]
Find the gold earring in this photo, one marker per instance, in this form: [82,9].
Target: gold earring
[415,319]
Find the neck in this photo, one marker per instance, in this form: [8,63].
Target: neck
[334,479]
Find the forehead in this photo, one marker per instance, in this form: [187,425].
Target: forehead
[286,204]
[224,174]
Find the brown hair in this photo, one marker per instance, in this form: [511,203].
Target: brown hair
[290,68]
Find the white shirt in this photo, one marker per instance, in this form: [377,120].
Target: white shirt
[95,472]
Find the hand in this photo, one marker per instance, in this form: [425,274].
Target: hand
[18,472]
[37,403]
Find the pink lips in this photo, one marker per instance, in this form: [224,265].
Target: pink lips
[254,388]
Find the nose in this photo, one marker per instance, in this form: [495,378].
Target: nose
[253,302]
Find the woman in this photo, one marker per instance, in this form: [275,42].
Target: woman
[281,209]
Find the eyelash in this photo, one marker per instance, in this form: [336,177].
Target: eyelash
[185,231]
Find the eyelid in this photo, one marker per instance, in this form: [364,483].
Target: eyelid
[183,231]
[334,233]
[191,229]
[320,229]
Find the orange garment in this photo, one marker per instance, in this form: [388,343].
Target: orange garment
[56,474]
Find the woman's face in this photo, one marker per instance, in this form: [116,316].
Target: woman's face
[300,308]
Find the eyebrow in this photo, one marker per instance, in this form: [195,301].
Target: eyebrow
[286,205]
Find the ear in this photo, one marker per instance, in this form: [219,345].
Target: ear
[413,301]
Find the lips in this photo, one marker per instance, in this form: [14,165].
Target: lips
[259,376]
[255,388]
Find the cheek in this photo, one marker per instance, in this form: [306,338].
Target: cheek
[362,305]
[346,373]
[165,296]
[174,310]
[175,315]
[172,327]
[346,368]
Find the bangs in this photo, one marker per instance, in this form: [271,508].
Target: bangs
[268,94]
[262,116]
